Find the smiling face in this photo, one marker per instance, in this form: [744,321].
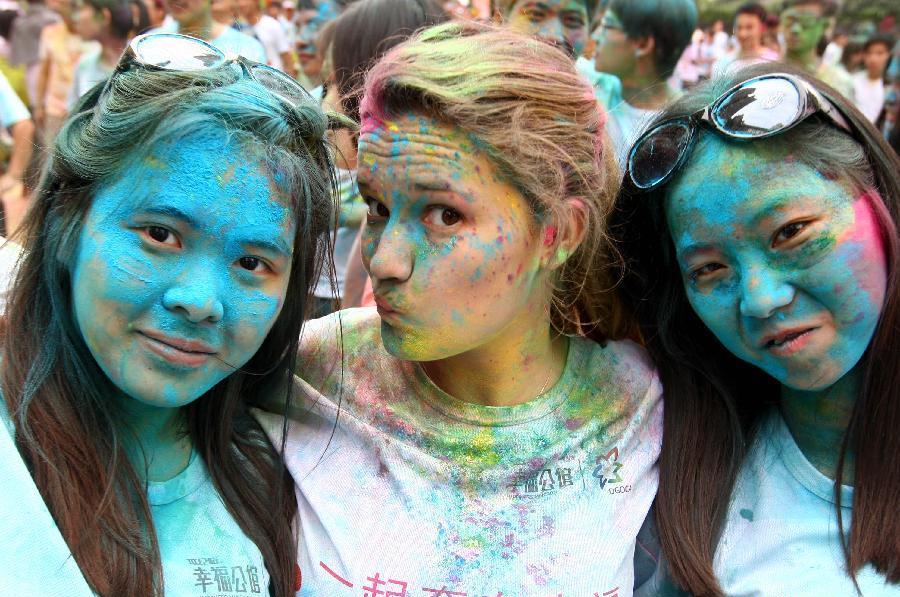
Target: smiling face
[181,269]
[783,265]
[561,22]
[453,250]
[749,29]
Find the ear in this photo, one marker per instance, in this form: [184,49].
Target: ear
[644,46]
[107,16]
[563,232]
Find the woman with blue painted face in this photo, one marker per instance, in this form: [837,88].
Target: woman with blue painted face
[167,263]
[759,224]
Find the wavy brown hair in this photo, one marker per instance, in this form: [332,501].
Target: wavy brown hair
[714,401]
[68,430]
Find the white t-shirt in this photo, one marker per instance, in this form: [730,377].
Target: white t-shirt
[273,38]
[781,536]
[869,95]
[12,109]
[404,490]
[204,552]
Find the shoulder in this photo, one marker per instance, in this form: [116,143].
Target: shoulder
[621,368]
[334,347]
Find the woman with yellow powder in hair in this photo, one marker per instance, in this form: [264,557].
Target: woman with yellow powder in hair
[486,430]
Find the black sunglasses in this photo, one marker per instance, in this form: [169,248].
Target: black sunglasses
[755,109]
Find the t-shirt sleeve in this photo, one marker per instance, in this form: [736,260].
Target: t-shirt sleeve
[12,110]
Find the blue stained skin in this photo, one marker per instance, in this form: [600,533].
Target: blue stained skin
[191,241]
[767,244]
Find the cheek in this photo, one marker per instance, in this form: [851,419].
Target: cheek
[718,309]
[253,313]
[368,243]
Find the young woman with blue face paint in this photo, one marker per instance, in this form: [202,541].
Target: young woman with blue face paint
[167,262]
[764,273]
[481,432]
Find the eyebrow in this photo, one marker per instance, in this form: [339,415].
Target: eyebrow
[433,186]
[172,212]
[275,247]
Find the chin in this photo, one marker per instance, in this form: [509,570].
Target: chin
[414,345]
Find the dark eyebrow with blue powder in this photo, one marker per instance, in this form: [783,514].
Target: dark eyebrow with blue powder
[172,212]
[271,246]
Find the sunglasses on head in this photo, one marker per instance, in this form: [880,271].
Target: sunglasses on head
[755,109]
[182,53]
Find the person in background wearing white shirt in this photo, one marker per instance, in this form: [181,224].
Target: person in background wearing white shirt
[269,32]
[868,84]
[195,17]
[112,23]
[288,21]
[749,29]
[834,51]
[14,116]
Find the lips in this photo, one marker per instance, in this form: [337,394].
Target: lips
[177,351]
[787,341]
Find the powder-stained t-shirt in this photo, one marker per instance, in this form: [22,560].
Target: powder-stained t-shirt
[406,491]
[203,550]
[781,533]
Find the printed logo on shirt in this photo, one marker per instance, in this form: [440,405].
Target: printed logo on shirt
[214,578]
[605,473]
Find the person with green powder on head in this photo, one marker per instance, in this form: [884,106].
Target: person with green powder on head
[804,23]
[487,429]
[639,43]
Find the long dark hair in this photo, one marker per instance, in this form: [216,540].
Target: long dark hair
[67,430]
[714,401]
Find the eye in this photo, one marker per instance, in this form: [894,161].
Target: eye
[788,232]
[705,271]
[535,14]
[161,235]
[442,216]
[252,264]
[377,210]
[573,22]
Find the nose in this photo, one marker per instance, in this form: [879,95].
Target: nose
[195,294]
[390,253]
[763,293]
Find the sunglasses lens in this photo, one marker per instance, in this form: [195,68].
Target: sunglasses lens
[177,52]
[759,108]
[657,154]
[280,84]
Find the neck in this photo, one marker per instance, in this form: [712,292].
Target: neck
[523,362]
[874,76]
[645,89]
[751,51]
[253,19]
[111,50]
[818,421]
[203,27]
[807,60]
[154,439]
